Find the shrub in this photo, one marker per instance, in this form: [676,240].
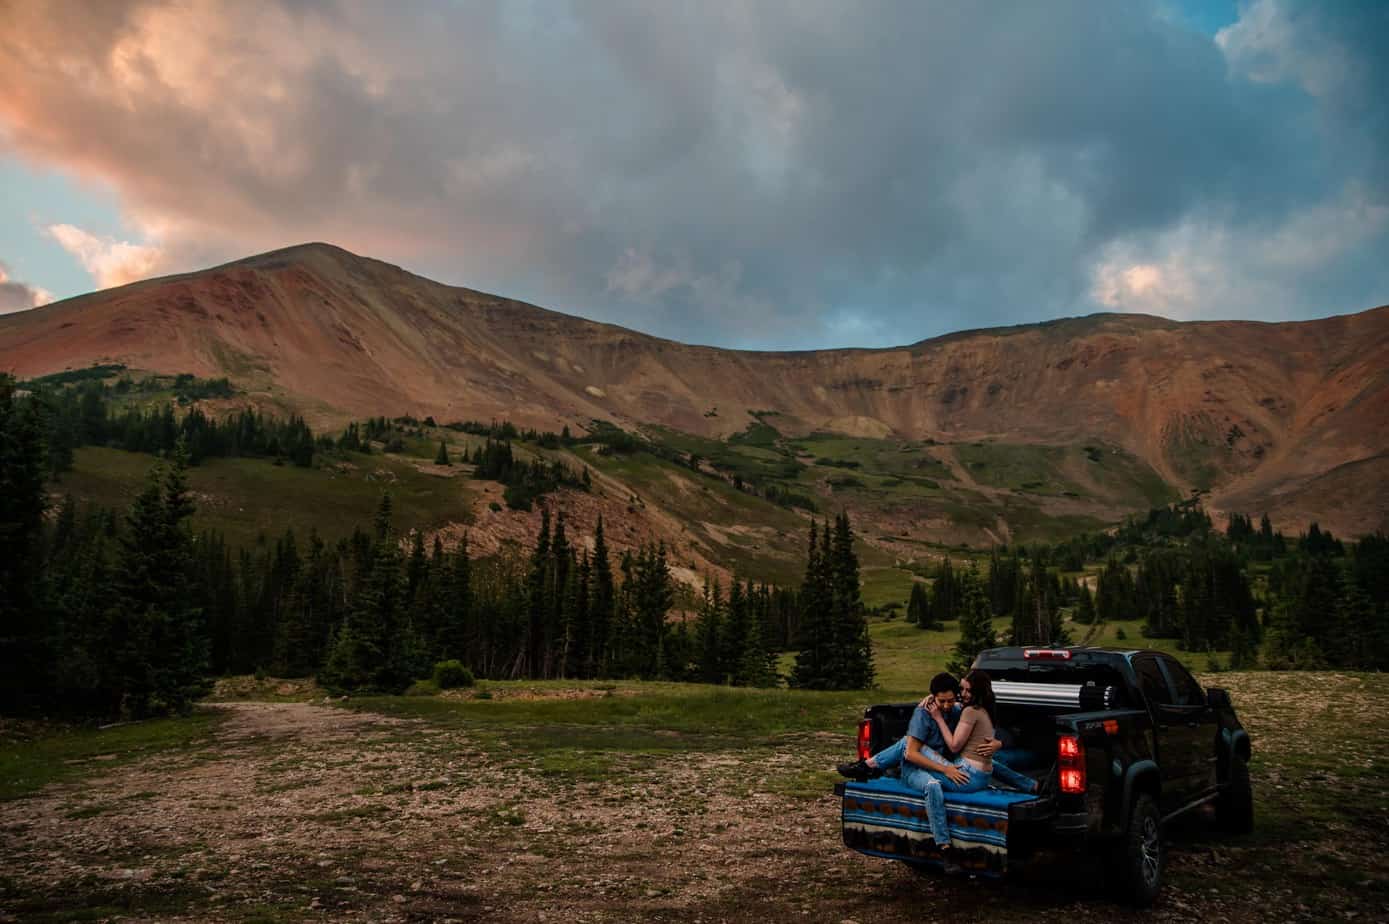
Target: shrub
[450,674]
[422,688]
[1120,634]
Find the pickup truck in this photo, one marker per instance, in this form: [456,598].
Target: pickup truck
[1121,742]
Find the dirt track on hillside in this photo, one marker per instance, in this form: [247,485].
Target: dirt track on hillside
[300,811]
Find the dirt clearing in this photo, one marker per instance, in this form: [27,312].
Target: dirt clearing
[299,811]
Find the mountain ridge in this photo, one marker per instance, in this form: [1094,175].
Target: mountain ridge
[1249,410]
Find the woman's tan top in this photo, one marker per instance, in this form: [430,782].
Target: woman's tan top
[982,731]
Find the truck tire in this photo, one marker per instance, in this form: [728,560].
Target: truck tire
[1234,807]
[1134,872]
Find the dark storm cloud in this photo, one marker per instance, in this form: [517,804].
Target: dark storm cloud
[779,174]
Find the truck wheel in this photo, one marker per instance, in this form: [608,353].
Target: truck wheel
[1135,866]
[1234,807]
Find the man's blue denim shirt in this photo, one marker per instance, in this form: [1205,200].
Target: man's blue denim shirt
[924,729]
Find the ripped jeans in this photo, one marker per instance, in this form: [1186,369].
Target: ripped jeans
[935,786]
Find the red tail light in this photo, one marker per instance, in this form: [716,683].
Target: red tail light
[1070,754]
[865,739]
[1046,654]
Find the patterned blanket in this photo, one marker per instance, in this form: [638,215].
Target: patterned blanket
[885,818]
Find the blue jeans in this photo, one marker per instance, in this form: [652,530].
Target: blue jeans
[891,756]
[935,786]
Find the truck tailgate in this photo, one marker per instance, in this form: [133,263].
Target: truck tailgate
[885,818]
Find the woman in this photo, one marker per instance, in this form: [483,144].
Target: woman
[968,774]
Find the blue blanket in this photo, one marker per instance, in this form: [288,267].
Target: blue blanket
[886,818]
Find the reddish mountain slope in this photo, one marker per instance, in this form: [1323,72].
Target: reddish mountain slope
[1263,413]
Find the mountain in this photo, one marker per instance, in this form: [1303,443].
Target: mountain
[1292,418]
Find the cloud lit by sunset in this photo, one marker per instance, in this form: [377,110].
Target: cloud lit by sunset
[674,170]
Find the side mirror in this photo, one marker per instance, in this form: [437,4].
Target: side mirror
[1217,698]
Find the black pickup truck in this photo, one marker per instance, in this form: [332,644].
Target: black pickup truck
[1120,742]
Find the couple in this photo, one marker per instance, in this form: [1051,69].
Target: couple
[940,727]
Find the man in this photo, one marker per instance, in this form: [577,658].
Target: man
[945,691]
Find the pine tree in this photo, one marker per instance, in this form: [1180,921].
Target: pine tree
[156,647]
[1085,607]
[738,636]
[24,655]
[945,594]
[976,623]
[416,569]
[538,601]
[853,649]
[601,606]
[443,457]
[374,649]
[810,671]
[919,608]
[755,666]
[709,635]
[457,624]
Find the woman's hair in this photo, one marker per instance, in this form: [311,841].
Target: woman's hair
[981,691]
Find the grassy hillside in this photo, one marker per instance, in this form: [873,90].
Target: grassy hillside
[245,498]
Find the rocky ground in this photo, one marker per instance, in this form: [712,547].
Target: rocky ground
[311,811]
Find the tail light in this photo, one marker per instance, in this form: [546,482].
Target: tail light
[1070,755]
[1046,654]
[865,739]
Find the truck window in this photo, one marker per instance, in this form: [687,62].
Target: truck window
[1189,692]
[1151,681]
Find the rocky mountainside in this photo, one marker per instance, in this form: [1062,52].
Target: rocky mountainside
[1288,417]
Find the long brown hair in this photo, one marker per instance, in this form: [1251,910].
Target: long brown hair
[981,692]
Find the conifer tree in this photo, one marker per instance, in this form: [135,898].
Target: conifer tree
[538,601]
[945,594]
[853,650]
[443,456]
[416,568]
[709,635]
[457,623]
[601,606]
[976,623]
[156,646]
[373,649]
[23,502]
[580,659]
[1085,607]
[811,669]
[919,608]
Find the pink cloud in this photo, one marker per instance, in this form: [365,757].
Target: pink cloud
[18,296]
[111,262]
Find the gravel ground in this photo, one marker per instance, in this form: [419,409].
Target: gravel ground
[300,811]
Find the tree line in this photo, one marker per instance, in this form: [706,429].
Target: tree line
[1307,602]
[127,613]
[86,414]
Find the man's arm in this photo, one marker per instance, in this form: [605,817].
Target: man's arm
[914,756]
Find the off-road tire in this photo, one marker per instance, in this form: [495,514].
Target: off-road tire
[1234,807]
[1134,868]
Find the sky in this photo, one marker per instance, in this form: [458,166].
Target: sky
[778,174]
